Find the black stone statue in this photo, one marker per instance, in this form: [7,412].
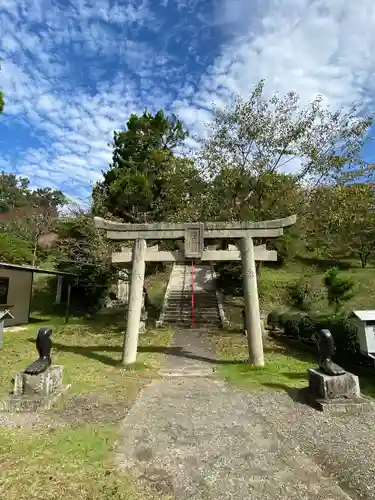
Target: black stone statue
[43,345]
[326,351]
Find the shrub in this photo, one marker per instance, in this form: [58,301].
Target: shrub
[273,319]
[291,328]
[344,333]
[306,328]
[229,277]
[289,322]
[339,289]
[300,294]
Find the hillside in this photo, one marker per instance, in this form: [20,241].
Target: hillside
[274,283]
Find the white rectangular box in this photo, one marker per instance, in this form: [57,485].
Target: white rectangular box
[365,323]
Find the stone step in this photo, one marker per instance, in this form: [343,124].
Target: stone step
[178,304]
[198,317]
[179,307]
[189,292]
[197,305]
[188,326]
[187,319]
[189,301]
[189,308]
[187,298]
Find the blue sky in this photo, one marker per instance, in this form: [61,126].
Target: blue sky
[73,72]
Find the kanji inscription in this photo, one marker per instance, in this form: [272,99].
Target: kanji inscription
[194,241]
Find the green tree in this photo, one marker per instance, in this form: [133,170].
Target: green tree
[183,193]
[339,289]
[28,214]
[257,138]
[15,193]
[29,224]
[48,199]
[14,249]
[84,250]
[135,185]
[340,221]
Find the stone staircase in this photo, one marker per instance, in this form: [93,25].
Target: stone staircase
[178,301]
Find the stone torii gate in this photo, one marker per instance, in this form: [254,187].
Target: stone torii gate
[194,234]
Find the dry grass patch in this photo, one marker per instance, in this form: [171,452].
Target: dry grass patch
[69,455]
[63,463]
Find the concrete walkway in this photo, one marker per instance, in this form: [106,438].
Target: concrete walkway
[197,438]
[193,355]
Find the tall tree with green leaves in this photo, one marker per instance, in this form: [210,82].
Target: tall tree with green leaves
[14,249]
[83,250]
[15,193]
[340,221]
[26,214]
[134,186]
[257,138]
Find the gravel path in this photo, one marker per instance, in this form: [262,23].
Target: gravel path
[197,438]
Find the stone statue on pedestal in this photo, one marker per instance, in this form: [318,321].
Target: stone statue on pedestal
[326,351]
[43,345]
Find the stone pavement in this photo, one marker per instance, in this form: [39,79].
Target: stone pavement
[197,438]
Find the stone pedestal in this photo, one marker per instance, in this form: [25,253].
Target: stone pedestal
[44,384]
[335,393]
[35,392]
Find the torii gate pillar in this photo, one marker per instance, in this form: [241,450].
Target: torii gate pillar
[135,302]
[252,313]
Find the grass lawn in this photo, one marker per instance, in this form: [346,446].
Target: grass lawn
[68,455]
[285,366]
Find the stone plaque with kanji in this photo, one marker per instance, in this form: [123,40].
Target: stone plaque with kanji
[194,240]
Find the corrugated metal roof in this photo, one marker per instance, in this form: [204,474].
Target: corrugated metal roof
[6,265]
[368,315]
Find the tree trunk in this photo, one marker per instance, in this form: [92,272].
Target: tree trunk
[363,258]
[34,253]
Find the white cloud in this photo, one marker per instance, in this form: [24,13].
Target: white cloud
[73,105]
[313,47]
